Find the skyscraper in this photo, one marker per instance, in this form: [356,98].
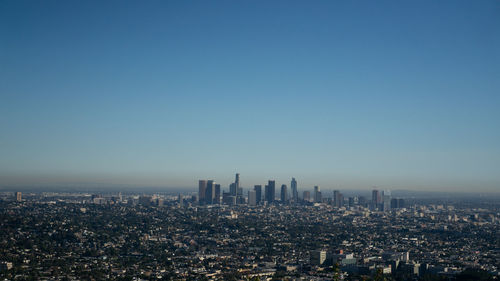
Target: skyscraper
[317,194]
[210,192]
[375,199]
[306,196]
[202,187]
[237,180]
[386,200]
[284,195]
[217,194]
[293,186]
[270,191]
[252,199]
[258,193]
[338,199]
[232,189]
[19,196]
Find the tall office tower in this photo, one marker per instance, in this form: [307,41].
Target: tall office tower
[386,200]
[210,192]
[237,180]
[295,194]
[238,190]
[317,194]
[284,195]
[375,198]
[252,198]
[337,199]
[258,193]
[270,191]
[306,196]
[232,189]
[19,196]
[202,189]
[217,194]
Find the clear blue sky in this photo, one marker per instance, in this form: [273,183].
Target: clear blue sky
[342,94]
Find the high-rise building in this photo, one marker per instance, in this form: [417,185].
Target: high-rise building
[386,200]
[258,193]
[217,194]
[210,192]
[376,199]
[232,189]
[284,195]
[293,187]
[317,194]
[239,190]
[237,180]
[338,199]
[306,196]
[19,196]
[202,188]
[252,199]
[270,191]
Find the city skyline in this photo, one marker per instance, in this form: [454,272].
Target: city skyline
[343,95]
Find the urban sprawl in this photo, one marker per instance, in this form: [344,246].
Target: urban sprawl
[256,236]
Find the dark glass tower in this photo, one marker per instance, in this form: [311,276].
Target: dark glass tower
[270,191]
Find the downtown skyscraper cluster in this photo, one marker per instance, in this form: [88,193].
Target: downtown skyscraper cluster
[209,193]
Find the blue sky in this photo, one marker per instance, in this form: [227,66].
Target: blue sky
[342,94]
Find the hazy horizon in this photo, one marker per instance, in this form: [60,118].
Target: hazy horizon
[43,182]
[344,95]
